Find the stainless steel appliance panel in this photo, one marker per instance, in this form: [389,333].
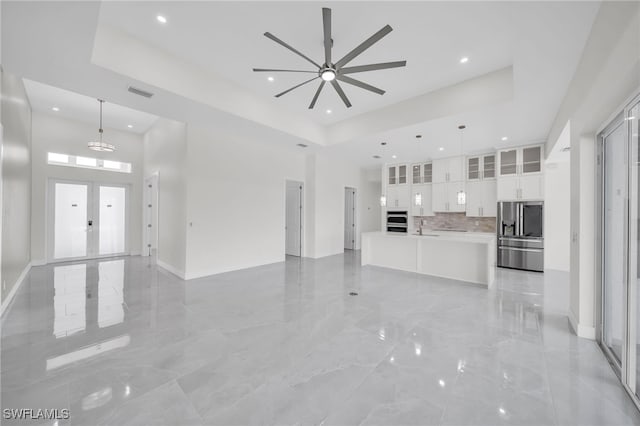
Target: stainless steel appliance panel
[521,258]
[397,221]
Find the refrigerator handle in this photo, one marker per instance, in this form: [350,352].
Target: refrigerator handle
[521,218]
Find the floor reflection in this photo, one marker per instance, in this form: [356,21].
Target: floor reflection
[110,293]
[69,300]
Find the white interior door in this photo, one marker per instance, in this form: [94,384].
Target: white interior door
[350,218]
[293,219]
[71,222]
[88,220]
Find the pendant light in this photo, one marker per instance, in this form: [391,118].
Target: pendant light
[100,145]
[462,196]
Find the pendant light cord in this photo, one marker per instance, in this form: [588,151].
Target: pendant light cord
[100,129]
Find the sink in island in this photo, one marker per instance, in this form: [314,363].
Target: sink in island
[464,256]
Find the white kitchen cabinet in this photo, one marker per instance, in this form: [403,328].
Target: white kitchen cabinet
[445,197]
[481,198]
[521,188]
[520,161]
[421,200]
[448,170]
[397,174]
[481,167]
[398,197]
[421,173]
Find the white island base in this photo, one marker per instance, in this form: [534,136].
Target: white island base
[464,256]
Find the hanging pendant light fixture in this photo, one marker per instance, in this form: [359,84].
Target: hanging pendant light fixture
[462,196]
[100,145]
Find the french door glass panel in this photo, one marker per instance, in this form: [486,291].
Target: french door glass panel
[112,223]
[70,220]
[614,192]
[633,118]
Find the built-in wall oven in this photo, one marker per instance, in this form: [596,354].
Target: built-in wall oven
[397,221]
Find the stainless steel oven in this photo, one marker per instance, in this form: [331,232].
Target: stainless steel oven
[397,221]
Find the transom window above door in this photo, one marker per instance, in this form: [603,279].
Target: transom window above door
[56,159]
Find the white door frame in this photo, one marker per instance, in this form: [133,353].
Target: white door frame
[301,240]
[93,213]
[151,197]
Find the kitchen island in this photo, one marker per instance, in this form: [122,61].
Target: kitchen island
[464,256]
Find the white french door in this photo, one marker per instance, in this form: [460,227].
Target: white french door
[87,220]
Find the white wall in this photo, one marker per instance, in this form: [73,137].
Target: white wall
[16,182]
[236,201]
[607,74]
[557,216]
[370,211]
[52,133]
[165,151]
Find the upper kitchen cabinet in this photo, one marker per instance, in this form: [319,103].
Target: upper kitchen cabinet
[520,161]
[448,170]
[398,197]
[481,198]
[397,174]
[481,167]
[421,199]
[421,173]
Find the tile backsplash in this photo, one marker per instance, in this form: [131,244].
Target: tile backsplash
[456,221]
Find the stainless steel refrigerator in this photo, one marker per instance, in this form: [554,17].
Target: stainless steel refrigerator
[520,235]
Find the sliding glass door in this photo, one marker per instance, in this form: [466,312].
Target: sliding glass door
[619,197]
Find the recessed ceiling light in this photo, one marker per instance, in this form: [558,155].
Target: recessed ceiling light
[302,145]
[56,109]
[383,143]
[418,136]
[376,157]
[441,148]
[504,138]
[130,126]
[464,60]
[161,19]
[394,156]
[270,78]
[329,111]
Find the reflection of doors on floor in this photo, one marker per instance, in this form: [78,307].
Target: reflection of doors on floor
[293,218]
[87,220]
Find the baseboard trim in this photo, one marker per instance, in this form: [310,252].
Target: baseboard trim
[6,303]
[170,268]
[580,330]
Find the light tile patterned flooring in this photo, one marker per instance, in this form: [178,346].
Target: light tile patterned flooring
[122,342]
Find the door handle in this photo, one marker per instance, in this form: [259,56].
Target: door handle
[90,223]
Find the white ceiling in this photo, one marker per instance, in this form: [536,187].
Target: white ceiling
[44,98]
[543,42]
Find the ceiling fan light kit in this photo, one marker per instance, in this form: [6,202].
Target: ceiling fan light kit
[331,72]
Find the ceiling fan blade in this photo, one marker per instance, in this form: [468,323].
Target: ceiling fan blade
[315,97]
[277,40]
[372,67]
[360,84]
[296,86]
[272,70]
[364,45]
[344,98]
[326,24]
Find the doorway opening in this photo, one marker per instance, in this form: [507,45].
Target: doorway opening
[349,218]
[87,220]
[293,218]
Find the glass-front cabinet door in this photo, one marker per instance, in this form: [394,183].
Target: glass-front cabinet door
[531,160]
[509,162]
[489,167]
[427,173]
[392,175]
[402,174]
[416,174]
[473,168]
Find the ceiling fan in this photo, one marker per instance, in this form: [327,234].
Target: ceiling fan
[332,72]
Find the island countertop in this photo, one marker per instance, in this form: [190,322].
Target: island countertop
[464,256]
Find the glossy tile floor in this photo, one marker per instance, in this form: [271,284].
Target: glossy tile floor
[122,342]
